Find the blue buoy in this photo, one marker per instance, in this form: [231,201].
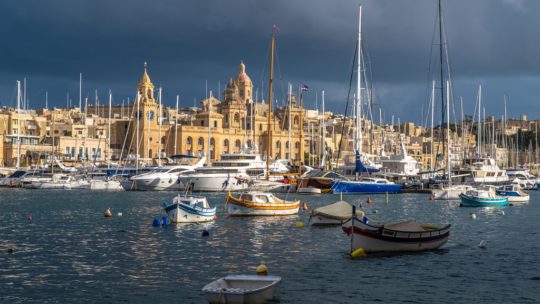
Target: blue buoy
[155,223]
[164,220]
[205,233]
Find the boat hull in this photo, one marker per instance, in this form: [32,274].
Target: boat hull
[105,185]
[215,183]
[383,240]
[321,220]
[359,187]
[470,201]
[448,193]
[239,289]
[182,213]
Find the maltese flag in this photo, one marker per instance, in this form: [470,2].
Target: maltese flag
[303,87]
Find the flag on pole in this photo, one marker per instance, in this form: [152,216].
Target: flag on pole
[276,27]
[303,87]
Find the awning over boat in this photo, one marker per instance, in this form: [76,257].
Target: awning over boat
[340,210]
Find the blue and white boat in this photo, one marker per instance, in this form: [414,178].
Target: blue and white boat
[366,185]
[189,209]
[514,193]
[483,198]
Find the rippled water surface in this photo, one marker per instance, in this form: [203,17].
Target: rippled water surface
[69,252]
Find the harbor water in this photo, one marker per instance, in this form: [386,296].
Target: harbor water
[69,252]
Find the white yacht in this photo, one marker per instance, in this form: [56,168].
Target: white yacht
[522,177]
[400,165]
[232,173]
[165,178]
[450,192]
[62,181]
[482,170]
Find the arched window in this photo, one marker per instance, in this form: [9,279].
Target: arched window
[201,142]
[287,144]
[226,118]
[296,120]
[238,144]
[189,140]
[215,123]
[163,140]
[260,127]
[278,144]
[297,145]
[212,142]
[226,143]
[236,117]
[202,123]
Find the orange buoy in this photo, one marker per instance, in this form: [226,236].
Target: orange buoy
[107,213]
[215,217]
[29,217]
[369,201]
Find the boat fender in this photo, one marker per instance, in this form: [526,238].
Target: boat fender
[369,201]
[215,217]
[261,269]
[11,182]
[502,212]
[430,197]
[156,223]
[304,206]
[205,233]
[299,224]
[107,213]
[472,216]
[360,252]
[29,217]
[11,249]
[164,221]
[482,245]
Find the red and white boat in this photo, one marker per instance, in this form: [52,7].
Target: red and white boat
[397,237]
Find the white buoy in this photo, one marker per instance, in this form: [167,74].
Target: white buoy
[472,216]
[119,214]
[502,212]
[482,245]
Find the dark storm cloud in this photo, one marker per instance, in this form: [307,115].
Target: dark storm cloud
[189,42]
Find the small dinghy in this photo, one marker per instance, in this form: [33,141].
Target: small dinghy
[333,214]
[189,209]
[260,203]
[240,289]
[514,193]
[483,198]
[397,237]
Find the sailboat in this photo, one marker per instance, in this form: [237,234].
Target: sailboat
[365,185]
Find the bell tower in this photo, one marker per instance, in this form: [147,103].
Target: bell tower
[147,116]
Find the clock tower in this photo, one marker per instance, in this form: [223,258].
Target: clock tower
[147,116]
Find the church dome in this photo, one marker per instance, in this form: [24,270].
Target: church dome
[242,76]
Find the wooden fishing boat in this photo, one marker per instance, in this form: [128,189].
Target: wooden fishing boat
[190,209]
[483,198]
[333,214]
[260,203]
[398,237]
[240,289]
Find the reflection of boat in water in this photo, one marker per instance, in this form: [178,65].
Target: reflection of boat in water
[240,289]
[398,237]
[189,209]
[260,203]
[333,214]
[514,193]
[483,198]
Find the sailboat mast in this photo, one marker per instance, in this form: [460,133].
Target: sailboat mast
[159,128]
[18,124]
[441,70]
[137,116]
[479,131]
[176,124]
[448,163]
[290,106]
[359,83]
[269,133]
[109,132]
[432,118]
[323,131]
[80,90]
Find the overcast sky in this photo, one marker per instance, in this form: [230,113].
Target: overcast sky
[188,43]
